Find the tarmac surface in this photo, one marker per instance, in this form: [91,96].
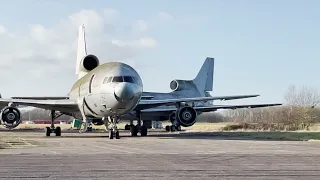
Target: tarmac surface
[161,155]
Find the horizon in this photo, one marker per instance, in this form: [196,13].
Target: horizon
[259,48]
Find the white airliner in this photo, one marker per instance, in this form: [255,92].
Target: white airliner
[107,92]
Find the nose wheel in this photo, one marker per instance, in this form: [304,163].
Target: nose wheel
[113,131]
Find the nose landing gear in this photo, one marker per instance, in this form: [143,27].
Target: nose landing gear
[114,131]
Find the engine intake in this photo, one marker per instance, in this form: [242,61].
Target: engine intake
[10,117]
[178,85]
[89,62]
[186,116]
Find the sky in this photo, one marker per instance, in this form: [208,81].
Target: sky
[260,47]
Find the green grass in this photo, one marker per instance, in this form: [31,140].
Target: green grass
[290,136]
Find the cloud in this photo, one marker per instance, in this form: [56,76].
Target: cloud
[140,26]
[2,29]
[165,16]
[45,58]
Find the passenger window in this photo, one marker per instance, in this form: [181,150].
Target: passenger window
[117,79]
[128,79]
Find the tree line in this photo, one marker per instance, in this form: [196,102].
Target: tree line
[299,112]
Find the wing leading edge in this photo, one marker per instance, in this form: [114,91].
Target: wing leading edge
[146,104]
[167,111]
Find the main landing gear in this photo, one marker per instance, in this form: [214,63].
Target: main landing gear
[52,128]
[173,128]
[135,129]
[114,131]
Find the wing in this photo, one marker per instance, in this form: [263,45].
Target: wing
[167,111]
[58,105]
[146,104]
[42,98]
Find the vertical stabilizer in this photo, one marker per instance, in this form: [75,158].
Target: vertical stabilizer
[204,79]
[82,49]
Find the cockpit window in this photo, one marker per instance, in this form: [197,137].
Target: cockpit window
[117,79]
[136,80]
[128,79]
[107,80]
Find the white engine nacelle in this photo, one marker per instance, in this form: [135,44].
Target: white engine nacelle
[89,62]
[178,85]
[10,117]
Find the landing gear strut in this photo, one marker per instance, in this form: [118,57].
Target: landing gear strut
[52,128]
[113,131]
[135,129]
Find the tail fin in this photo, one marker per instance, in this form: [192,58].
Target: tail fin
[82,49]
[204,79]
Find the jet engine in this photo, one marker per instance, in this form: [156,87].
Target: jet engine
[89,62]
[186,116]
[178,85]
[10,117]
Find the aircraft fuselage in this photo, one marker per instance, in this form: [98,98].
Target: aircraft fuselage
[112,88]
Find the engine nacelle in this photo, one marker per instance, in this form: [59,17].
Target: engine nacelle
[178,85]
[89,62]
[10,117]
[186,116]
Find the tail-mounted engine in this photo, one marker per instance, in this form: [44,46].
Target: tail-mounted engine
[186,116]
[178,85]
[10,117]
[89,62]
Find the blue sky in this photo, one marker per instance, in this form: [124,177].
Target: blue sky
[260,47]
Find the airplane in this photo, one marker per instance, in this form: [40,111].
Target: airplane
[200,86]
[103,91]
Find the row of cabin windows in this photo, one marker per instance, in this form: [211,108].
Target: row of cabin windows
[129,79]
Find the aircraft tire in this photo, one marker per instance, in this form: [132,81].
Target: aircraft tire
[48,131]
[144,131]
[117,135]
[110,134]
[58,131]
[134,130]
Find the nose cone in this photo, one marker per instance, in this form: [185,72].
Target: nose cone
[124,92]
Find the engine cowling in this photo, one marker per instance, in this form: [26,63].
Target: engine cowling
[89,62]
[178,85]
[186,116]
[10,117]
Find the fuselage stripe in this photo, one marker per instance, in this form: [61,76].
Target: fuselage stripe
[87,106]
